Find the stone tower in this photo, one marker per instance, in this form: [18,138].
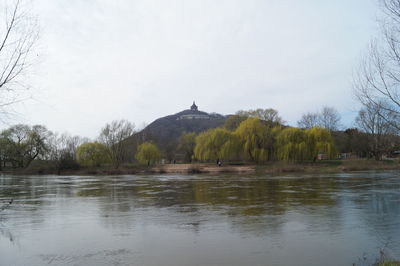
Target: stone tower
[194,107]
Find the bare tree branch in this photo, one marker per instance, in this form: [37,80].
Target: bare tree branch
[18,38]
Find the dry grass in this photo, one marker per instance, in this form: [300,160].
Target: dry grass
[363,164]
[390,263]
[197,168]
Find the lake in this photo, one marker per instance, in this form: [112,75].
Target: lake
[296,219]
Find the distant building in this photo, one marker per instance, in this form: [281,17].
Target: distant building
[194,107]
[193,113]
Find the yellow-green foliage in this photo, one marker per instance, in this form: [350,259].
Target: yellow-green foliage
[233,122]
[93,154]
[148,153]
[294,144]
[216,143]
[319,141]
[187,143]
[232,148]
[291,144]
[257,139]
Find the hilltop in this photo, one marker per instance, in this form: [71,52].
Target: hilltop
[166,131]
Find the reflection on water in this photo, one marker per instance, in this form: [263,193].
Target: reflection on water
[199,220]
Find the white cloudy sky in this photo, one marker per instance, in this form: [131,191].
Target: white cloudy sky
[139,60]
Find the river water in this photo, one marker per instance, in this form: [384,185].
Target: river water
[330,219]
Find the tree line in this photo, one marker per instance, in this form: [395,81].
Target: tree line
[256,136]
[21,144]
[260,135]
[246,137]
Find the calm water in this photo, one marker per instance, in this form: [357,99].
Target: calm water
[200,220]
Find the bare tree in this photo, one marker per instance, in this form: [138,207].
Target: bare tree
[377,78]
[63,150]
[374,120]
[308,120]
[269,115]
[113,136]
[328,118]
[18,36]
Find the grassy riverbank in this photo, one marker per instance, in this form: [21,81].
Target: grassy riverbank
[390,263]
[332,166]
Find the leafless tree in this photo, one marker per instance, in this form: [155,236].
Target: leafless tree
[377,78]
[308,120]
[113,136]
[374,120]
[18,36]
[64,144]
[329,118]
[269,115]
[63,150]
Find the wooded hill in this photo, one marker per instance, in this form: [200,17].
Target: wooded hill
[166,131]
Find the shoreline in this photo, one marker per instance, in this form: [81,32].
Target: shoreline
[334,166]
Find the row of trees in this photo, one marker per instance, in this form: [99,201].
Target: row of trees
[373,136]
[255,135]
[374,133]
[257,141]
[253,140]
[21,144]
[98,154]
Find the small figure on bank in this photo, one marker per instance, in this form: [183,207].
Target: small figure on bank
[219,163]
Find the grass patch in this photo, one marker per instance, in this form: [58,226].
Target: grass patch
[389,263]
[364,164]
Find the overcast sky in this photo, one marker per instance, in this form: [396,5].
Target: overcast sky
[140,60]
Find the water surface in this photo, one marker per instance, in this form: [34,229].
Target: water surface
[335,219]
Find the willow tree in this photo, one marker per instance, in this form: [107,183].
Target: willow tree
[232,149]
[148,153]
[93,154]
[256,139]
[215,144]
[292,144]
[187,143]
[319,141]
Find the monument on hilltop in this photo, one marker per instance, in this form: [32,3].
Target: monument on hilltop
[166,131]
[193,113]
[194,107]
